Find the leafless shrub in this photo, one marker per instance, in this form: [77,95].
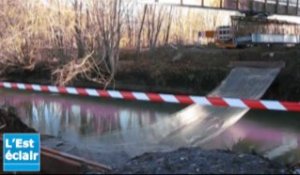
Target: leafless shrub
[100,27]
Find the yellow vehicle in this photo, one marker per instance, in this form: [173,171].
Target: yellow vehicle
[223,36]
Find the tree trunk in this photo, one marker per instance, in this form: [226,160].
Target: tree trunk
[78,30]
[168,27]
[138,49]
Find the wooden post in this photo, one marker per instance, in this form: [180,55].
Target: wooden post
[221,4]
[202,3]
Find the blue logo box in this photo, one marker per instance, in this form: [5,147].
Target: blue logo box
[21,152]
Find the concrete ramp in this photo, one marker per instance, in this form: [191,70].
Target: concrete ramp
[246,82]
[196,124]
[242,82]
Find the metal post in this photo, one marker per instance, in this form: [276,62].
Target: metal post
[237,4]
[265,5]
[287,6]
[297,8]
[276,7]
[202,3]
[251,5]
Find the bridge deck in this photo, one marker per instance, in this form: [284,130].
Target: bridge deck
[280,7]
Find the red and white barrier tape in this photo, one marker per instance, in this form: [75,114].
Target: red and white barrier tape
[159,97]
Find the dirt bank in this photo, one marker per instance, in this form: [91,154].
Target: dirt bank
[10,123]
[183,161]
[200,70]
[185,71]
[186,161]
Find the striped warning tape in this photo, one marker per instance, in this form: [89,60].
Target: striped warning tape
[159,97]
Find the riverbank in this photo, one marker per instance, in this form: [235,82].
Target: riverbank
[195,160]
[186,70]
[185,160]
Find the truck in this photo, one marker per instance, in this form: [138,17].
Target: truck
[254,30]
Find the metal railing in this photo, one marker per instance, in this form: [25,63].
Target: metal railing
[279,7]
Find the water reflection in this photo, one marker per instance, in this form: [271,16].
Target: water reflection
[249,135]
[134,128]
[76,119]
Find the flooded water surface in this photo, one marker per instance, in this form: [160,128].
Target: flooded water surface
[90,122]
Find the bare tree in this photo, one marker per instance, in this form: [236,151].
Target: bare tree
[129,27]
[109,17]
[155,21]
[78,28]
[141,30]
[167,32]
[98,28]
